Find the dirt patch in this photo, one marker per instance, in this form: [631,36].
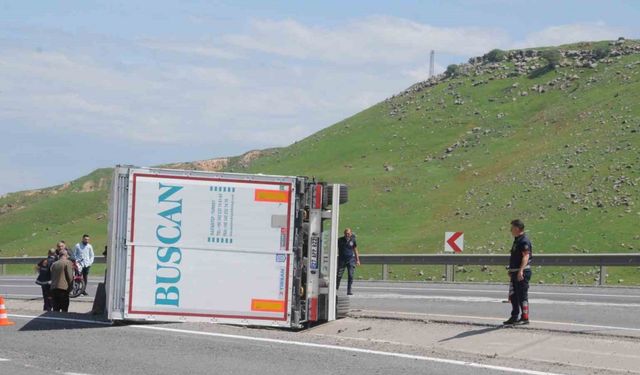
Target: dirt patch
[212,165]
[92,185]
[88,186]
[247,158]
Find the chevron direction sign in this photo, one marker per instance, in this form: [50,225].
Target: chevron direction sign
[453,242]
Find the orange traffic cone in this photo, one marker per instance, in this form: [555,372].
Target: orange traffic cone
[4,320]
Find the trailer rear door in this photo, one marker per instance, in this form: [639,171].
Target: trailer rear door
[209,247]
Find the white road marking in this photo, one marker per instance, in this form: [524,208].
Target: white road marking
[19,286]
[490,300]
[500,292]
[32,278]
[57,372]
[84,299]
[22,296]
[351,349]
[60,319]
[501,319]
[305,344]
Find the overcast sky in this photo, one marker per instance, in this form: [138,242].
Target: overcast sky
[88,84]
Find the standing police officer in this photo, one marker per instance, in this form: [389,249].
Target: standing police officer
[348,258]
[520,274]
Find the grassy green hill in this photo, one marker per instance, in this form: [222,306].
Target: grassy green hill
[558,147]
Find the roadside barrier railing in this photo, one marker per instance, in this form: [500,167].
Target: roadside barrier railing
[602,260]
[4,261]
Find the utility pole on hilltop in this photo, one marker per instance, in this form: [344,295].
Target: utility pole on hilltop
[432,57]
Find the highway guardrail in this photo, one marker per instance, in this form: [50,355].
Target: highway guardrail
[4,261]
[601,260]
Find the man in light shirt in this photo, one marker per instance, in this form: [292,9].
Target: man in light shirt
[83,253]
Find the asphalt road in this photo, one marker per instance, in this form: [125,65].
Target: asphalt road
[616,307]
[57,347]
[52,346]
[25,287]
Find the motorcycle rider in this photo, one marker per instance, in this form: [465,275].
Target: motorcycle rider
[84,256]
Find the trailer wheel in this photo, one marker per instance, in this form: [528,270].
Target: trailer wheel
[344,194]
[343,305]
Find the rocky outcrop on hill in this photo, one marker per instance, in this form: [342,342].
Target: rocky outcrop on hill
[523,62]
[223,164]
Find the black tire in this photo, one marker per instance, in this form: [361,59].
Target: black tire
[343,305]
[344,195]
[78,287]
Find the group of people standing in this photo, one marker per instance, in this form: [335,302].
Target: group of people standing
[56,273]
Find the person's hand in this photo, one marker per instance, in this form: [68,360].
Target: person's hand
[520,275]
[358,262]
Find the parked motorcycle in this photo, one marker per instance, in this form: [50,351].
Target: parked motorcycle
[78,281]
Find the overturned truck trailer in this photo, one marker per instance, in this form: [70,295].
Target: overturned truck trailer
[222,248]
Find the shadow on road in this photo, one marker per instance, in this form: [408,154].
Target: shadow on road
[471,333]
[52,321]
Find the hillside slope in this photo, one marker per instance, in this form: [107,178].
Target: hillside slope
[559,148]
[33,221]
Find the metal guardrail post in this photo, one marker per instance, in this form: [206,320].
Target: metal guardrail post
[3,269]
[385,272]
[449,272]
[603,275]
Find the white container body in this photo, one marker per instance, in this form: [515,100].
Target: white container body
[199,246]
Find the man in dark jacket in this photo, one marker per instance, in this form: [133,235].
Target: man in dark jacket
[520,274]
[44,278]
[61,282]
[348,258]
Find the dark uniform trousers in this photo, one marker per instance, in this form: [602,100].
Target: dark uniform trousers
[60,300]
[520,297]
[46,296]
[350,265]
